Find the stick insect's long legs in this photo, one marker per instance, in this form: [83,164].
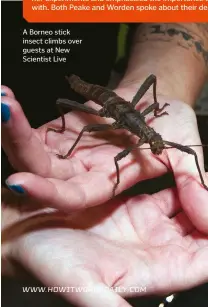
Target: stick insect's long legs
[191,152]
[88,128]
[151,80]
[73,105]
[120,156]
[155,107]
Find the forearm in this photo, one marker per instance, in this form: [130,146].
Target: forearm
[176,53]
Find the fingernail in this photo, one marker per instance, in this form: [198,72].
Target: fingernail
[5,113]
[16,188]
[3,94]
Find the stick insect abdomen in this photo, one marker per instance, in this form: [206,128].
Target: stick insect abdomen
[96,93]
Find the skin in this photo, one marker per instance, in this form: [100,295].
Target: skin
[143,241]
[176,53]
[69,184]
[170,228]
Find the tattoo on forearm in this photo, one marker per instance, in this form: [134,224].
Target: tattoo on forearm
[185,37]
[203,26]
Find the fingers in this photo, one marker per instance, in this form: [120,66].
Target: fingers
[5,91]
[85,190]
[20,142]
[73,194]
[96,294]
[182,224]
[194,199]
[168,202]
[192,194]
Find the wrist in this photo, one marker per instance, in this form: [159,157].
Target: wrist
[128,91]
[128,87]
[179,69]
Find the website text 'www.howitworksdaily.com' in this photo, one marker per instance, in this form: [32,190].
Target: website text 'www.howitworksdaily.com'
[84,289]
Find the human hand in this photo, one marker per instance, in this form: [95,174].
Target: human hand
[144,245]
[71,183]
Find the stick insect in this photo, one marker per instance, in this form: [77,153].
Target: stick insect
[125,116]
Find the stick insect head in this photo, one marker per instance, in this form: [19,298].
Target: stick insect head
[156,144]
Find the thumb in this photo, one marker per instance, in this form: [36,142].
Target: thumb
[191,181]
[92,292]
[194,200]
[21,143]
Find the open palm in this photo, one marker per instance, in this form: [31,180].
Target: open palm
[139,246]
[88,176]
